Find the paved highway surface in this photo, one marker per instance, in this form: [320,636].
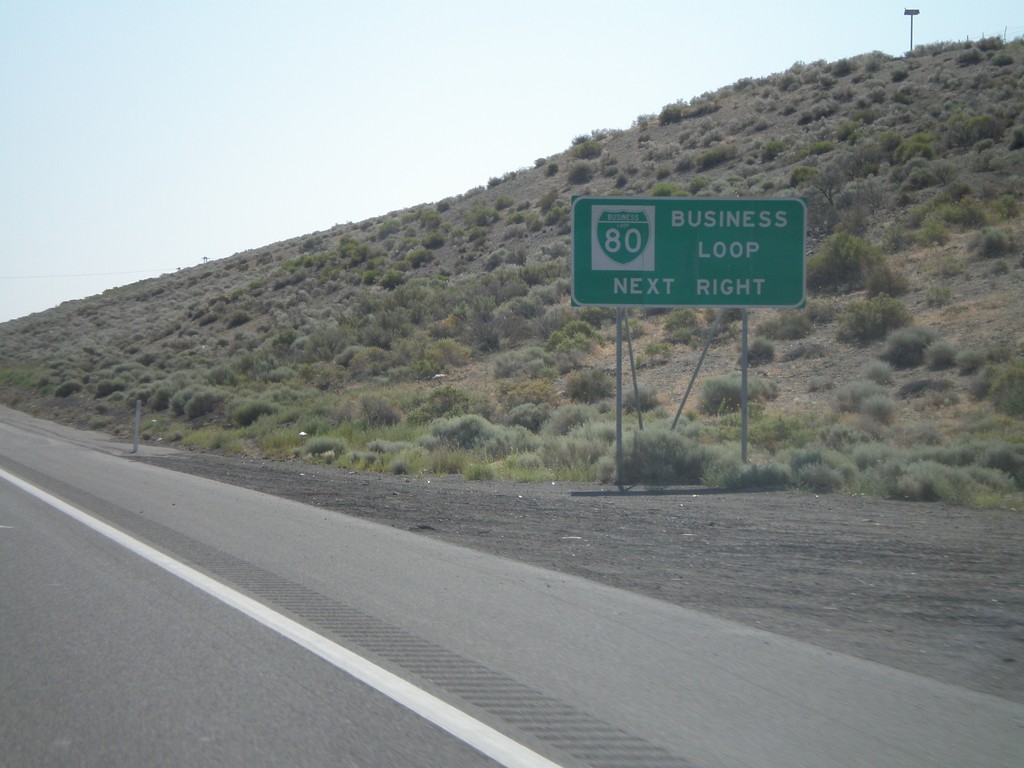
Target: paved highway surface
[153,618]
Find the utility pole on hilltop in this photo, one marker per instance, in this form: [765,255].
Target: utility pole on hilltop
[911,12]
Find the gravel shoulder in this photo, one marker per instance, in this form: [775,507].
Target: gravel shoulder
[928,588]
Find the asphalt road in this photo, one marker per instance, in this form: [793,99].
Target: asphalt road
[108,659]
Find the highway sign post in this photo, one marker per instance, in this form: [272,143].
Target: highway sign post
[681,251]
[687,252]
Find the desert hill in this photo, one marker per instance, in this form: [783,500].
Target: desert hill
[441,339]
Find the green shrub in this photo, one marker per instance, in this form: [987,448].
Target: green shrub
[68,388]
[529,362]
[918,145]
[659,455]
[203,402]
[970,361]
[760,351]
[739,476]
[565,418]
[940,355]
[467,432]
[881,408]
[777,431]
[722,394]
[376,411]
[788,324]
[107,387]
[237,318]
[905,347]
[648,399]
[589,385]
[772,149]
[574,335]
[323,447]
[446,401]
[851,396]
[802,175]
[715,156]
[671,113]
[1007,387]
[580,173]
[882,279]
[530,415]
[939,296]
[865,321]
[528,391]
[991,244]
[682,325]
[665,189]
[842,263]
[480,472]
[879,372]
[245,412]
[577,452]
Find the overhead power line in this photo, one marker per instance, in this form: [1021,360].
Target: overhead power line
[83,274]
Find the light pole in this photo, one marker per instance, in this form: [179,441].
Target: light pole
[911,12]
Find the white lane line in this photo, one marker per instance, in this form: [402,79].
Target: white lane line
[462,726]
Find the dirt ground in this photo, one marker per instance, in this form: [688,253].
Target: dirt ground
[928,588]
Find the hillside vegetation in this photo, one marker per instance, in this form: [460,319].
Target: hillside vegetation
[440,339]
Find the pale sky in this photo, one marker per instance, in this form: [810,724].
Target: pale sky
[137,137]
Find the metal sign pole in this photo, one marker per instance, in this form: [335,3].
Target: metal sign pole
[138,420]
[618,396]
[632,370]
[743,389]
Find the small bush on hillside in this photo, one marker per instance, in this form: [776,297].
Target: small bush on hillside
[246,412]
[737,476]
[991,244]
[565,418]
[323,447]
[721,394]
[107,387]
[659,455]
[529,415]
[665,189]
[467,432]
[851,396]
[580,173]
[378,412]
[905,347]
[1006,387]
[865,321]
[788,324]
[528,391]
[881,408]
[648,399]
[68,388]
[588,386]
[443,402]
[682,325]
[574,335]
[883,280]
[879,372]
[671,113]
[970,361]
[759,352]
[777,431]
[842,263]
[203,402]
[940,355]
[771,149]
[715,156]
[530,362]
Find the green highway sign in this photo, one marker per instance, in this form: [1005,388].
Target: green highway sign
[688,251]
